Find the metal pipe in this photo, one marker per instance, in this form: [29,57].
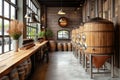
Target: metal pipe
[112,9]
[96,8]
[88,7]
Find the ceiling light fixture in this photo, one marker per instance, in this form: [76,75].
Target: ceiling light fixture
[61,12]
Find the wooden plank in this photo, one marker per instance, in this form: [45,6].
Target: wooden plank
[11,59]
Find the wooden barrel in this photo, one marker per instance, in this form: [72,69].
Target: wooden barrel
[26,68]
[59,46]
[65,47]
[14,74]
[69,46]
[21,71]
[5,78]
[80,37]
[52,44]
[77,35]
[73,37]
[99,36]
[29,66]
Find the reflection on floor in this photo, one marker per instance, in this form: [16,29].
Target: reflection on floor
[64,66]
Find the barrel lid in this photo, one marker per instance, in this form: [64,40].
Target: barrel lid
[99,20]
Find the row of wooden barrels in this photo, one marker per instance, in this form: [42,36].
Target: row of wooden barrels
[54,46]
[95,37]
[20,72]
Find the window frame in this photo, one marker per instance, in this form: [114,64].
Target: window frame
[3,18]
[63,34]
[30,7]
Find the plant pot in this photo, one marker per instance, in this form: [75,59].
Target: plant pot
[16,44]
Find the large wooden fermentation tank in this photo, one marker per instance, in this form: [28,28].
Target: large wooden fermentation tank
[73,35]
[80,36]
[76,35]
[99,36]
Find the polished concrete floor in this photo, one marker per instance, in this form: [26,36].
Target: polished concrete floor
[64,66]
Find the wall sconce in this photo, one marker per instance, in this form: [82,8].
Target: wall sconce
[31,18]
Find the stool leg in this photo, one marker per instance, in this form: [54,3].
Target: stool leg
[91,75]
[85,63]
[83,59]
[112,66]
[47,55]
[80,58]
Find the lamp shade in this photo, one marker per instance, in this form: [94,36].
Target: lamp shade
[61,12]
[31,18]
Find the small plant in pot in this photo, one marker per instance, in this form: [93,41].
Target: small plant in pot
[41,36]
[51,42]
[49,34]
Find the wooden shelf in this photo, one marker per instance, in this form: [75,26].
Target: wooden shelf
[10,60]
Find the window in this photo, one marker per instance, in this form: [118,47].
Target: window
[31,31]
[63,34]
[7,12]
[32,28]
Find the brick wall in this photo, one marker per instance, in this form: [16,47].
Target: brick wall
[74,19]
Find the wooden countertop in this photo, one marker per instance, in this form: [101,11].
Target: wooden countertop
[10,60]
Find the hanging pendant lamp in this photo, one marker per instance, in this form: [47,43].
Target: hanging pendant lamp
[31,18]
[61,12]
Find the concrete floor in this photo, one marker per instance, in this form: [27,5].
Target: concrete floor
[64,66]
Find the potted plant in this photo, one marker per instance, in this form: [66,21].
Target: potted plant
[15,31]
[49,34]
[41,36]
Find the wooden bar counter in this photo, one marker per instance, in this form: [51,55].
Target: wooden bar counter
[10,60]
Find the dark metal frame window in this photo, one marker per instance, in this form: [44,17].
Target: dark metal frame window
[31,32]
[7,12]
[63,35]
[32,28]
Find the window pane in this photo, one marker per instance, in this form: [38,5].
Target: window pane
[27,31]
[0,26]
[11,43]
[6,9]
[12,12]
[13,1]
[31,28]
[6,27]
[9,12]
[0,45]
[60,32]
[0,7]
[29,3]
[6,44]
[60,36]
[63,34]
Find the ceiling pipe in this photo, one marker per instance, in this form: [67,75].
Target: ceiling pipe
[96,8]
[113,8]
[88,7]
